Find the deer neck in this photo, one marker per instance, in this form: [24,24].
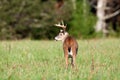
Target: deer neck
[65,38]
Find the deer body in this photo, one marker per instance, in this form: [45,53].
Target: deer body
[70,46]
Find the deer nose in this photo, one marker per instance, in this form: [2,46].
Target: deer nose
[55,38]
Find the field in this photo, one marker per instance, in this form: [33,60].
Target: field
[97,59]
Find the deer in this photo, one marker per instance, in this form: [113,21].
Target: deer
[70,45]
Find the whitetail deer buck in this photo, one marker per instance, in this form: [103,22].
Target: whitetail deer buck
[70,45]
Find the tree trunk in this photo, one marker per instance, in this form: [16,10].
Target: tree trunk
[102,16]
[101,23]
[74,4]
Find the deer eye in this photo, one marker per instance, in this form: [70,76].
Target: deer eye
[60,34]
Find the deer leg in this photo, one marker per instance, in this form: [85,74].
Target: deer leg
[73,61]
[66,60]
[66,57]
[74,57]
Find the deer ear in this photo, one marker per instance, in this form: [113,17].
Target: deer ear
[61,30]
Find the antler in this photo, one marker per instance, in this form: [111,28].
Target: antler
[61,25]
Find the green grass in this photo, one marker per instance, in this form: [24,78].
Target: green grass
[44,60]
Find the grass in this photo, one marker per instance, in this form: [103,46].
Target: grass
[97,59]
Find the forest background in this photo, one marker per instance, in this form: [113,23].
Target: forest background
[35,19]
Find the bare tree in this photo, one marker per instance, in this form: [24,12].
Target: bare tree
[102,16]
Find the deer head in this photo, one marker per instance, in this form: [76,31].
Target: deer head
[62,34]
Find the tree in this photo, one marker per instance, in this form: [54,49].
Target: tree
[102,16]
[30,19]
[107,11]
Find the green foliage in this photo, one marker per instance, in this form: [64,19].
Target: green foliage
[35,19]
[83,21]
[25,18]
[44,60]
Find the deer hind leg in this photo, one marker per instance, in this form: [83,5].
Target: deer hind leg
[72,62]
[66,60]
[66,57]
[73,59]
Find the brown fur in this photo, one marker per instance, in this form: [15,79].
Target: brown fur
[70,44]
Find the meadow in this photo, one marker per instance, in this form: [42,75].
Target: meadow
[97,59]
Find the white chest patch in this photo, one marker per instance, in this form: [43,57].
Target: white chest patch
[70,53]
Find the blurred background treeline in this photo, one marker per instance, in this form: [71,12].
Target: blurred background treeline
[35,19]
